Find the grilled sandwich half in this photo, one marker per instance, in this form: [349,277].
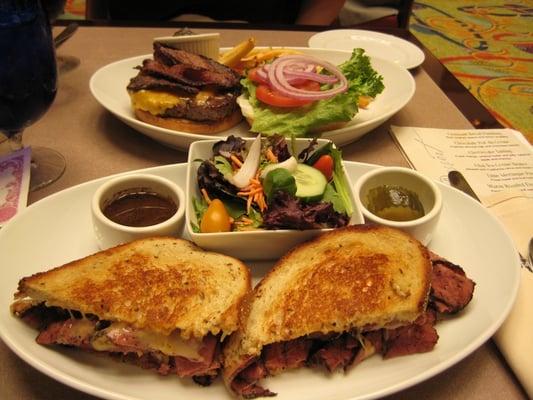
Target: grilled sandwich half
[162,303]
[332,302]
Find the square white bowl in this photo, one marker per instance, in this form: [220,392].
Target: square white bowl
[249,245]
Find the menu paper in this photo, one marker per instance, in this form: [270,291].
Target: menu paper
[14,183]
[491,160]
[498,165]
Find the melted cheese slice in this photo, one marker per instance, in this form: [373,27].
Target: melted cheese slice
[156,102]
[117,334]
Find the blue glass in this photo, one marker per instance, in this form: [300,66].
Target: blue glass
[28,83]
[28,74]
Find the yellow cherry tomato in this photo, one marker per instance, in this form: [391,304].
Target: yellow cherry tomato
[216,218]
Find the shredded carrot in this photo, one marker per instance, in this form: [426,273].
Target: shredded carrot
[249,203]
[271,156]
[254,193]
[250,192]
[236,160]
[205,195]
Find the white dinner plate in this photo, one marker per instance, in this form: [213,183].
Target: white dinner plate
[108,86]
[376,44]
[58,229]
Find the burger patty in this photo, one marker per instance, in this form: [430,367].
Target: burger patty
[214,108]
[206,90]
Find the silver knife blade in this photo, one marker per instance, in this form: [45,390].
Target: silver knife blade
[530,255]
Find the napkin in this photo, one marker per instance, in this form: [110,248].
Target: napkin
[515,337]
[14,183]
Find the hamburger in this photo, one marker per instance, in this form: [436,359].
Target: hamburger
[186,92]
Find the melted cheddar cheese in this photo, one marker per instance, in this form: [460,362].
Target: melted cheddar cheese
[156,102]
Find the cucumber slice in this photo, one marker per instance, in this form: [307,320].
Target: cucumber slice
[310,183]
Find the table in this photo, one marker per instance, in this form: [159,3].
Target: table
[96,144]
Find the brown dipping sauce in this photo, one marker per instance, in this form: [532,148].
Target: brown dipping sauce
[139,208]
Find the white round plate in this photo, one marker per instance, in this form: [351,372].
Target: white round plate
[376,44]
[58,229]
[108,86]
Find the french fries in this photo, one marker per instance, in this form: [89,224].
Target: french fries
[267,54]
[244,55]
[232,57]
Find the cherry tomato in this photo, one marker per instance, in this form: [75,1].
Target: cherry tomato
[216,218]
[325,165]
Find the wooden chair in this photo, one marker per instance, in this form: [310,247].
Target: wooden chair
[400,20]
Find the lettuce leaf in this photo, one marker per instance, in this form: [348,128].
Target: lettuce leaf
[362,80]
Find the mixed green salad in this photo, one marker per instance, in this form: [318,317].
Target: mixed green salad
[270,186]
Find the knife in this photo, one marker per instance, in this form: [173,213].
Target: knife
[458,181]
[65,34]
[527,260]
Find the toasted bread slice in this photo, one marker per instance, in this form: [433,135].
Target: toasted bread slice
[159,284]
[361,277]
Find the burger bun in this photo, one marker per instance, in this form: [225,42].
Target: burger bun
[190,126]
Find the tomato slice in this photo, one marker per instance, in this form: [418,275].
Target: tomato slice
[312,86]
[274,98]
[255,77]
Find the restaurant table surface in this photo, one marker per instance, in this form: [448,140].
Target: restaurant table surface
[96,144]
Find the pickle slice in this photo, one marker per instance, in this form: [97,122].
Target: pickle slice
[394,203]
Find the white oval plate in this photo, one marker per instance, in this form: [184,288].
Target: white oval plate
[376,44]
[58,229]
[108,86]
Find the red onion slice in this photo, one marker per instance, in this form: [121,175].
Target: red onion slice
[312,76]
[279,81]
[262,74]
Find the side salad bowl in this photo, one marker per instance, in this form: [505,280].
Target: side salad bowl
[257,242]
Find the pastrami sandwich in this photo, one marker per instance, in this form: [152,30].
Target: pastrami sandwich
[336,300]
[162,303]
[186,92]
